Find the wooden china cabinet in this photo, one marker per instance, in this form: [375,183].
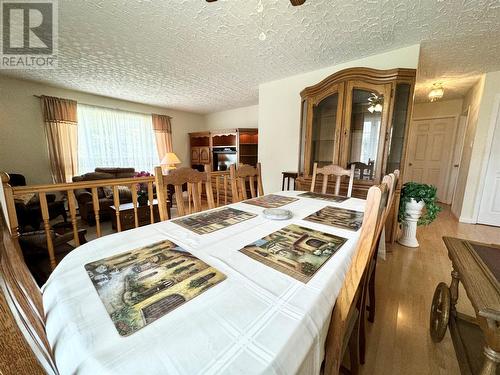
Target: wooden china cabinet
[360,116]
[220,148]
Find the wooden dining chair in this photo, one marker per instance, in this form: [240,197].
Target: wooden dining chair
[344,324]
[365,170]
[24,347]
[391,180]
[178,177]
[369,279]
[239,179]
[221,181]
[332,170]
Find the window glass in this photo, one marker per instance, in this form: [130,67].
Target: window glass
[114,138]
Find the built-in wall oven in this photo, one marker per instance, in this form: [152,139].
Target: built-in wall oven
[223,157]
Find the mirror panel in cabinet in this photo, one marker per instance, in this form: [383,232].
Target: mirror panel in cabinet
[324,131]
[364,137]
[398,129]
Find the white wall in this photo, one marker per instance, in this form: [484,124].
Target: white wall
[437,109]
[23,146]
[243,117]
[471,103]
[477,142]
[279,111]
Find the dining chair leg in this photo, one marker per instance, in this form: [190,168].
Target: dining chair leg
[362,330]
[371,292]
[354,350]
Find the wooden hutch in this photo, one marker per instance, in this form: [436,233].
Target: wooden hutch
[360,116]
[220,148]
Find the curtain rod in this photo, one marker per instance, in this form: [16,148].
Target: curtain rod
[114,108]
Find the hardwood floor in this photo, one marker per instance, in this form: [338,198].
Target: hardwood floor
[399,341]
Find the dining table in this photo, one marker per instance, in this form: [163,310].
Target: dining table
[256,321]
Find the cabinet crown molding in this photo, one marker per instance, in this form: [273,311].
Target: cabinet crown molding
[361,73]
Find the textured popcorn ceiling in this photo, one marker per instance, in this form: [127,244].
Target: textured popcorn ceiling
[196,56]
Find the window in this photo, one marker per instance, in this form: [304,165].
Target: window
[114,138]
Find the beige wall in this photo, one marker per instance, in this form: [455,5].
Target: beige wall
[471,103]
[480,98]
[279,111]
[243,117]
[437,109]
[23,147]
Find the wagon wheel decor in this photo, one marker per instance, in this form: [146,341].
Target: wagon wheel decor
[440,312]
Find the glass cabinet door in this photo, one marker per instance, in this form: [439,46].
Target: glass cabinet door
[365,125]
[324,118]
[399,124]
[323,130]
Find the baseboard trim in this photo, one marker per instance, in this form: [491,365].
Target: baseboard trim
[467,220]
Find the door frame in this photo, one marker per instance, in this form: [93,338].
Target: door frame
[494,117]
[466,114]
[411,133]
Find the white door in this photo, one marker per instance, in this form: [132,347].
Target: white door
[430,149]
[489,210]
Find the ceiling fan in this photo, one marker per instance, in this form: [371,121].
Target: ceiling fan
[294,2]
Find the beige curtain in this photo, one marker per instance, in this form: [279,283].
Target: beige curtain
[60,116]
[163,134]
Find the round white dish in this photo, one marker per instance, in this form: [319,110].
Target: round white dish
[277,214]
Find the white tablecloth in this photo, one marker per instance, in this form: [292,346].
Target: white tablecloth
[257,321]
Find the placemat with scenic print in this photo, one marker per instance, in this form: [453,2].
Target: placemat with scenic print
[323,197]
[337,217]
[208,222]
[142,285]
[296,251]
[271,201]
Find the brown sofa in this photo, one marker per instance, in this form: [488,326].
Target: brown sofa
[105,195]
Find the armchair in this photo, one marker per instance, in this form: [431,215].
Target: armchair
[28,207]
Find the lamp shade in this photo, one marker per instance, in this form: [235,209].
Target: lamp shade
[170,159]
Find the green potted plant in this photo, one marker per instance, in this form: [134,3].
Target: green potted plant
[414,197]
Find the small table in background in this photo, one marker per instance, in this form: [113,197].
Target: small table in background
[287,176]
[127,218]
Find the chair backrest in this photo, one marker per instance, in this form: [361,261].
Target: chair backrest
[24,343]
[353,281]
[365,170]
[396,174]
[222,187]
[178,177]
[387,196]
[238,181]
[334,170]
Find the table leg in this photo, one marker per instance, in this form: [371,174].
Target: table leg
[455,278]
[491,361]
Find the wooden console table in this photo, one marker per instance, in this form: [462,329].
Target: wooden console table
[477,266]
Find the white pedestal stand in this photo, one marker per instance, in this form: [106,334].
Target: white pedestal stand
[409,227]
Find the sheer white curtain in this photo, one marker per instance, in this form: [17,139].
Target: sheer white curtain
[114,138]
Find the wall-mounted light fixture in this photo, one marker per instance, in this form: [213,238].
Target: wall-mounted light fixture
[437,92]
